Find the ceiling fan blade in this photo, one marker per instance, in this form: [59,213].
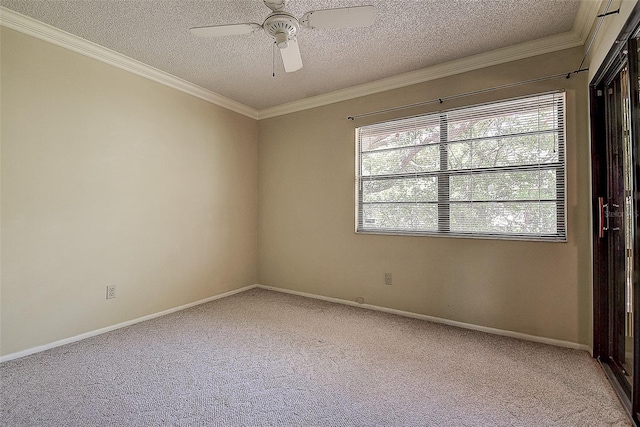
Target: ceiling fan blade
[225,30]
[344,17]
[291,58]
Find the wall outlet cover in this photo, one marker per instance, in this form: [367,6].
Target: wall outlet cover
[111,291]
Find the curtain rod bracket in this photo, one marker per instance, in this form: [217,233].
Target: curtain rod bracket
[581,70]
[602,15]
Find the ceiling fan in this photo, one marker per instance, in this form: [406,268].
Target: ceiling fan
[283,27]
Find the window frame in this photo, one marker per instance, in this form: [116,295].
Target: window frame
[443,176]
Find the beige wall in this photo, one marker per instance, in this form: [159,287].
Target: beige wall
[110,178]
[306,239]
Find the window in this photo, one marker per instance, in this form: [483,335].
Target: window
[494,170]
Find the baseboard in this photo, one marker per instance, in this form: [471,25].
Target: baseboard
[54,344]
[502,332]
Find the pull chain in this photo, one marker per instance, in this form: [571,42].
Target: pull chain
[273,59]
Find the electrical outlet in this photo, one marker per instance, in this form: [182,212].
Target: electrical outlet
[387,278]
[111,291]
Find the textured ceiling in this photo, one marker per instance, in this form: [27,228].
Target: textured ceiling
[407,35]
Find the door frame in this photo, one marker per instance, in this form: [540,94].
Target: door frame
[602,263]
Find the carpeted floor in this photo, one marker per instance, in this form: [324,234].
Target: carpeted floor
[263,358]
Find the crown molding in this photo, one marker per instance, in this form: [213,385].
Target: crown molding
[42,31]
[495,57]
[577,37]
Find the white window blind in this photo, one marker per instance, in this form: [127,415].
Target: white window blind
[494,170]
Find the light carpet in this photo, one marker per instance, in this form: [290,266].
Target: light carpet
[264,358]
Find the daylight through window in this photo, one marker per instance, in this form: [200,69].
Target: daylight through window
[494,170]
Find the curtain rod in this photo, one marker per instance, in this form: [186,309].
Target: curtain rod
[461,95]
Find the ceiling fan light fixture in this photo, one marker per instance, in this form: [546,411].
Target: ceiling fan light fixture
[282,40]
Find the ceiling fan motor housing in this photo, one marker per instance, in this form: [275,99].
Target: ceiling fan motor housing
[282,26]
